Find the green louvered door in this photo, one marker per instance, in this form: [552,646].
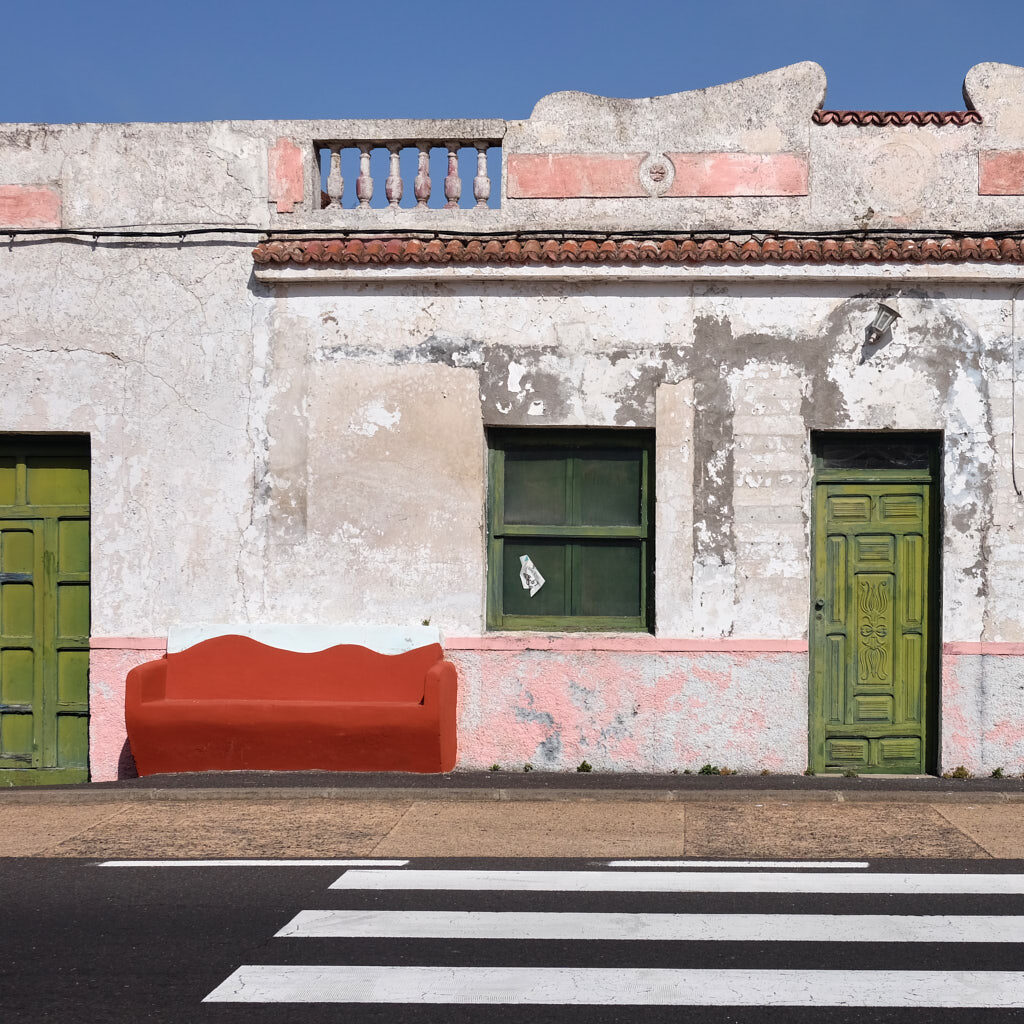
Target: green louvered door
[871,621]
[44,610]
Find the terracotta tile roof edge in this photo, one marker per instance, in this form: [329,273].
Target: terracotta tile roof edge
[899,118]
[512,251]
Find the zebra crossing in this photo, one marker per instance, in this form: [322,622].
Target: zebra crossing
[671,934]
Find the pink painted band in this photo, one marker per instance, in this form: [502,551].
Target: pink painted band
[574,175]
[284,173]
[29,206]
[617,175]
[128,643]
[638,644]
[1001,172]
[738,174]
[996,647]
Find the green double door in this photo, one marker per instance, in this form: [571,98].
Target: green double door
[44,610]
[873,608]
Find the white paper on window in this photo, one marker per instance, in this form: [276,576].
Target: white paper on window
[529,575]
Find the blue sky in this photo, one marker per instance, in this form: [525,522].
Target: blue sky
[183,60]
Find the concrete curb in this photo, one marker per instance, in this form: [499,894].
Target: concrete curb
[467,794]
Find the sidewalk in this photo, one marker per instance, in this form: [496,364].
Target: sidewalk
[503,814]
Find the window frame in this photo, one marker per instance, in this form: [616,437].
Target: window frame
[567,443]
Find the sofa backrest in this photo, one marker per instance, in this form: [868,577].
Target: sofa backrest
[238,667]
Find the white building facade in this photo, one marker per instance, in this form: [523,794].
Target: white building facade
[628,340]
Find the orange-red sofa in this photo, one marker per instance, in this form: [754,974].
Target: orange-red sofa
[232,703]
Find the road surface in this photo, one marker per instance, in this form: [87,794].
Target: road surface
[515,941]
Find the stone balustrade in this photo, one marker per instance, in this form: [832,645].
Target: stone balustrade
[431,170]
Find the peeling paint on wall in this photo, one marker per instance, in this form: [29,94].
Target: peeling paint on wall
[315,449]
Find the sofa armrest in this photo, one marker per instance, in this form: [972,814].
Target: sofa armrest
[440,694]
[440,684]
[147,682]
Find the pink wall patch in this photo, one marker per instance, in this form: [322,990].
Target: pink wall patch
[29,206]
[284,175]
[618,175]
[110,661]
[625,710]
[738,174]
[1001,173]
[574,175]
[997,648]
[630,643]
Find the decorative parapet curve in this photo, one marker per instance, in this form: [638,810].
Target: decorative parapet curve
[760,157]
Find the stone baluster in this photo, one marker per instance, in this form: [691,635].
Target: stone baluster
[452,181]
[421,186]
[482,182]
[364,184]
[335,182]
[393,186]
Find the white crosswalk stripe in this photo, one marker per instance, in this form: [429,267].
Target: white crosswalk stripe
[595,986]
[502,977]
[570,927]
[803,865]
[681,881]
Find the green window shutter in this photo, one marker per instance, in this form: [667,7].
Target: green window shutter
[578,504]
[536,489]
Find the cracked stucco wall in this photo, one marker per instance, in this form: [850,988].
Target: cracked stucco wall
[301,453]
[151,354]
[315,451]
[762,366]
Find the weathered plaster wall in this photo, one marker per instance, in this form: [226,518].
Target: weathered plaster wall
[983,709]
[391,520]
[314,450]
[311,456]
[748,372]
[734,378]
[150,353]
[743,156]
[631,711]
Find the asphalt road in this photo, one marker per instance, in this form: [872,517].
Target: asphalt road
[81,942]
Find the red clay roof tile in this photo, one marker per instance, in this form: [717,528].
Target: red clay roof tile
[898,118]
[387,250]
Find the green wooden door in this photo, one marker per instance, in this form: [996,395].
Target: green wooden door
[871,623]
[44,610]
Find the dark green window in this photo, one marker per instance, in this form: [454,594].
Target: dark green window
[579,505]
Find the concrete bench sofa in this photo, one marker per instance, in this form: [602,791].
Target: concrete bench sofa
[287,698]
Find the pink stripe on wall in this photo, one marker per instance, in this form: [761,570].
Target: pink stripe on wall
[738,174]
[284,174]
[1002,648]
[617,175]
[29,206]
[640,643]
[128,643]
[1001,173]
[574,175]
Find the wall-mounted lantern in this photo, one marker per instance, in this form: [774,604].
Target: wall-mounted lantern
[885,317]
